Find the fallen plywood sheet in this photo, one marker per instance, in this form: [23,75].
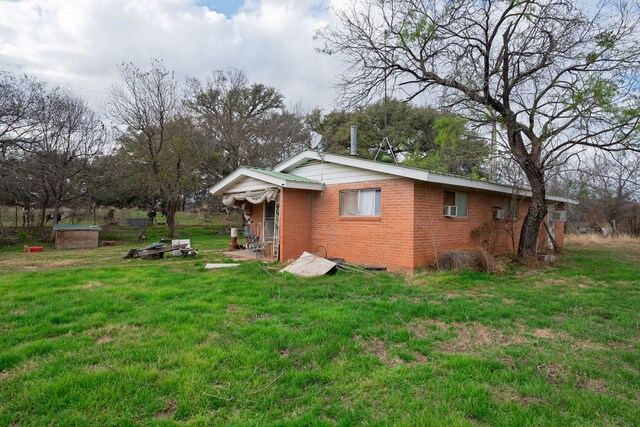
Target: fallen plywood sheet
[221,265]
[310,265]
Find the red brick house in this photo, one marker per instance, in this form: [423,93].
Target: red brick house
[377,213]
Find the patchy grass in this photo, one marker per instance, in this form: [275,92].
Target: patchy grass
[89,339]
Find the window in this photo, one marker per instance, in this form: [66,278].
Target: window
[457,199]
[360,203]
[511,208]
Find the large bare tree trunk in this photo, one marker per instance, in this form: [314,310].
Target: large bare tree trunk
[528,245]
[172,207]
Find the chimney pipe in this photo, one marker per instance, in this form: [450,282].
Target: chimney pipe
[354,140]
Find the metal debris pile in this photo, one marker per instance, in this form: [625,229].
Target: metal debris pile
[311,265]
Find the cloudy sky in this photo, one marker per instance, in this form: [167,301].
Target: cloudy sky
[79,43]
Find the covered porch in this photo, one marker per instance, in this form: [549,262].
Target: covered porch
[277,212]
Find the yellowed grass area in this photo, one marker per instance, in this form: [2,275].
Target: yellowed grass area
[594,239]
[51,259]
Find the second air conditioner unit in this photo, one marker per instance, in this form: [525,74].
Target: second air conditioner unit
[499,214]
[451,211]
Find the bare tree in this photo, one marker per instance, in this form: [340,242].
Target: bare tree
[19,100]
[70,137]
[146,102]
[556,75]
[232,113]
[611,187]
[280,135]
[161,150]
[55,167]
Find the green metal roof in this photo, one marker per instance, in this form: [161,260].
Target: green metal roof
[285,176]
[76,227]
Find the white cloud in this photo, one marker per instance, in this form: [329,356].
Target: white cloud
[80,43]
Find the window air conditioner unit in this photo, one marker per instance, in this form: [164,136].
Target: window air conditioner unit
[451,211]
[499,214]
[558,215]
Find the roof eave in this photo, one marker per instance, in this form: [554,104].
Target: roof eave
[304,185]
[238,174]
[221,187]
[410,173]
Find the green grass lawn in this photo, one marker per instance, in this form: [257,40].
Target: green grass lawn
[90,339]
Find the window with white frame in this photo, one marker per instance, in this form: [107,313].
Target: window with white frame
[360,202]
[458,199]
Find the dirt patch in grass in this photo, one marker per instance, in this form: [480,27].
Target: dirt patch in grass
[381,350]
[550,334]
[92,285]
[473,338]
[18,312]
[556,336]
[508,301]
[169,409]
[553,372]
[560,317]
[424,328]
[469,337]
[550,282]
[109,333]
[104,339]
[598,385]
[4,376]
[505,394]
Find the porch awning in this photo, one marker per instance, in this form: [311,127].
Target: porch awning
[253,197]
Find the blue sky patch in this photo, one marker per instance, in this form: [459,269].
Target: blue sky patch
[227,7]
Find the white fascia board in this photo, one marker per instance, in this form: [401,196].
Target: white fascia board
[240,173]
[406,172]
[303,185]
[478,185]
[303,157]
[562,200]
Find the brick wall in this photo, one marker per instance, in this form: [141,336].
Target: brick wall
[410,232]
[385,241]
[435,233]
[295,223]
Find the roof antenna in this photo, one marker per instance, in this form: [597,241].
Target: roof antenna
[385,140]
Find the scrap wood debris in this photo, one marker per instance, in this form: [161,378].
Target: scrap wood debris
[158,250]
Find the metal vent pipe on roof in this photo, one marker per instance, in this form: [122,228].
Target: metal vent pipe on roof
[354,140]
